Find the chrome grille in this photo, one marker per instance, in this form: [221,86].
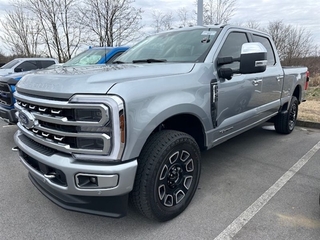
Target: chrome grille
[55,125]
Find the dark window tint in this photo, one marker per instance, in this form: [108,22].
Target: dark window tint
[266,43]
[114,57]
[232,47]
[26,66]
[45,63]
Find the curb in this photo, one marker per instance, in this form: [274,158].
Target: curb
[308,124]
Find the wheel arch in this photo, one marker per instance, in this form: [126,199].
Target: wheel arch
[181,123]
[298,93]
[189,119]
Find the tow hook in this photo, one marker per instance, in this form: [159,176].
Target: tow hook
[15,149]
[50,175]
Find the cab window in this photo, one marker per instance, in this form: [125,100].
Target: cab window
[26,66]
[266,43]
[232,48]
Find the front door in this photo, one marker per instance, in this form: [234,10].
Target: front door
[238,97]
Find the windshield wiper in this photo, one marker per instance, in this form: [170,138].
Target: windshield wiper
[118,62]
[149,60]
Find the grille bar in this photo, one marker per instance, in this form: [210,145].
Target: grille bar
[5,94]
[64,116]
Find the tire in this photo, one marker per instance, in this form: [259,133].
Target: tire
[285,123]
[167,176]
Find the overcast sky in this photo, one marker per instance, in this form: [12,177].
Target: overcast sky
[303,13]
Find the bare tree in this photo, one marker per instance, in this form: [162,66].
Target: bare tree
[21,31]
[60,30]
[218,11]
[184,18]
[111,22]
[162,21]
[291,42]
[253,24]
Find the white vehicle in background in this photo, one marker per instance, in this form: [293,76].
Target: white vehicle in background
[26,64]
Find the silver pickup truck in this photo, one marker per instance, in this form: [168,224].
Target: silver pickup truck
[94,137]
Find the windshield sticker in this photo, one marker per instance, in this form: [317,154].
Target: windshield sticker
[208,33]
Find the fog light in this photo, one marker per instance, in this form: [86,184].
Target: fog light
[93,179]
[87,181]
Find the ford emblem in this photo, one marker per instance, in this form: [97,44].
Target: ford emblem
[26,119]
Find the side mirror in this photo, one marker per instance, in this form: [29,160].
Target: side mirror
[253,58]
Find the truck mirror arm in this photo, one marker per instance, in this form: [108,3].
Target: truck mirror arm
[225,73]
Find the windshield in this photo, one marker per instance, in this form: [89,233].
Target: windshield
[176,46]
[10,64]
[88,57]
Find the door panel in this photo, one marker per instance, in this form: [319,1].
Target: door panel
[239,97]
[272,80]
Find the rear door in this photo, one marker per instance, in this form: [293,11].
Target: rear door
[272,79]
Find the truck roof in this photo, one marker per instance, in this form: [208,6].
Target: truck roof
[216,26]
[37,58]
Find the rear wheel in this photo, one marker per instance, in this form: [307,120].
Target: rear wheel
[167,176]
[285,123]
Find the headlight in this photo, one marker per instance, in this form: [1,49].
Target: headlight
[89,115]
[90,143]
[99,114]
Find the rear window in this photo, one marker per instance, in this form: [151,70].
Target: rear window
[45,63]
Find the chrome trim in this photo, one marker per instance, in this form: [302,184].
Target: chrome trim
[63,120]
[66,147]
[50,176]
[113,178]
[55,112]
[110,106]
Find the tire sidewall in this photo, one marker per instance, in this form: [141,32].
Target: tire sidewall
[164,213]
[294,102]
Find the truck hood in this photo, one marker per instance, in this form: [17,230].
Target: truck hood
[63,82]
[13,78]
[4,72]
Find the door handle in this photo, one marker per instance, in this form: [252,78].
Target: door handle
[279,78]
[256,82]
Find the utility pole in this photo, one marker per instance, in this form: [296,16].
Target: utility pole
[200,13]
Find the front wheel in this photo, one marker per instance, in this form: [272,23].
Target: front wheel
[285,123]
[167,176]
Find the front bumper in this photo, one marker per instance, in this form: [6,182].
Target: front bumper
[109,201]
[113,206]
[8,115]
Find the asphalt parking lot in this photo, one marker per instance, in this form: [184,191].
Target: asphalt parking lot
[259,185]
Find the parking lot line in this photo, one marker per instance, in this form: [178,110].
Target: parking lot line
[251,211]
[7,126]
